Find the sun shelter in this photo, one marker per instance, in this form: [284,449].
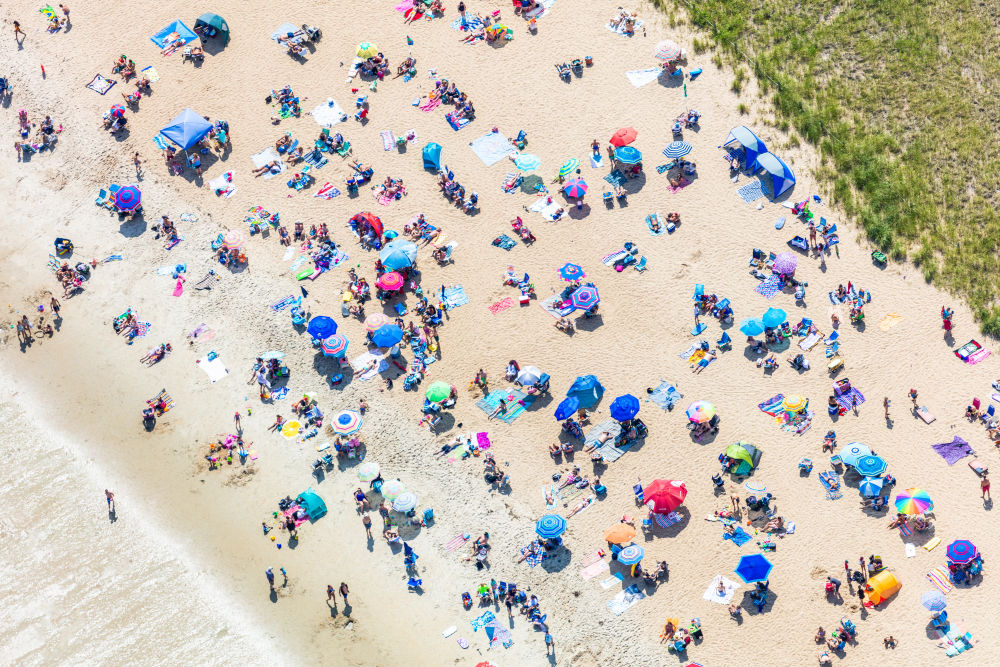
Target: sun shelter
[175,33]
[782,178]
[881,587]
[311,504]
[742,457]
[187,129]
[213,22]
[751,143]
[432,156]
[586,389]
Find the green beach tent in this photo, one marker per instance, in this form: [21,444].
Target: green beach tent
[214,21]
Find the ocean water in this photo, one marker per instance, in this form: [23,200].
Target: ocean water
[79,588]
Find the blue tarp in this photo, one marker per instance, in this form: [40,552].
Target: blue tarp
[187,129]
[587,390]
[782,177]
[432,156]
[750,142]
[184,33]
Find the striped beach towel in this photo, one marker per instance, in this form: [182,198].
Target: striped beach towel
[939,577]
[456,542]
[388,140]
[768,287]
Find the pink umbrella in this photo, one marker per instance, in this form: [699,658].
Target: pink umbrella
[391,281]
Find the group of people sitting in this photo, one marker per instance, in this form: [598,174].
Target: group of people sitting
[142,85]
[289,102]
[156,354]
[70,278]
[124,66]
[455,191]
[625,21]
[390,187]
[168,229]
[654,221]
[377,65]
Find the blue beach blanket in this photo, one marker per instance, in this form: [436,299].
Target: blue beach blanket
[768,287]
[455,296]
[665,396]
[616,178]
[492,147]
[467,23]
[505,242]
[516,400]
[751,192]
[740,538]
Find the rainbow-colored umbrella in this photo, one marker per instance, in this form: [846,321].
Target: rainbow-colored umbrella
[569,167]
[700,412]
[368,471]
[392,489]
[913,501]
[334,346]
[375,321]
[961,552]
[576,187]
[391,281]
[794,403]
[233,240]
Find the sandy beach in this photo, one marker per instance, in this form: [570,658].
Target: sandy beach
[178,575]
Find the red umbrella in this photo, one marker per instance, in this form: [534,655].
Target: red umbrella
[624,136]
[663,496]
[369,219]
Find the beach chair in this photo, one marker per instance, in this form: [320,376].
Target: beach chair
[806,464]
[726,342]
[113,189]
[102,198]
[987,417]
[639,497]
[647,525]
[641,264]
[609,199]
[344,150]
[699,291]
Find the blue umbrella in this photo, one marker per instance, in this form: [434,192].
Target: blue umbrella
[624,407]
[398,254]
[933,601]
[628,155]
[871,486]
[527,162]
[550,526]
[587,389]
[631,554]
[753,568]
[853,452]
[568,406]
[322,327]
[752,326]
[774,317]
[572,272]
[128,198]
[387,335]
[870,465]
[676,149]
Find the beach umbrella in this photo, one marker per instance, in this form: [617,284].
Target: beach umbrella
[391,281]
[273,354]
[755,486]
[933,601]
[624,136]
[785,263]
[569,167]
[576,187]
[567,407]
[375,321]
[854,451]
[128,198]
[367,50]
[346,422]
[529,376]
[392,489]
[700,412]
[631,554]
[387,335]
[753,567]
[961,552]
[677,149]
[405,502]
[794,403]
[587,389]
[624,407]
[871,486]
[234,239]
[913,501]
[321,327]
[438,392]
[619,534]
[663,496]
[572,272]
[398,254]
[628,155]
[752,326]
[291,428]
[368,471]
[527,162]
[585,298]
[871,466]
[117,111]
[550,526]
[334,346]
[665,51]
[530,183]
[774,317]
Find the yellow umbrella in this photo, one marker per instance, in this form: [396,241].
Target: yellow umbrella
[291,429]
[620,534]
[367,50]
[794,403]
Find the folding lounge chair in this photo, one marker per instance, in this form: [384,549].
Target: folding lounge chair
[641,265]
[344,150]
[639,497]
[609,199]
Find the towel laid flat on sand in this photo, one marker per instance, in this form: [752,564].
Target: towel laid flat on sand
[640,77]
[620,28]
[729,589]
[492,147]
[328,113]
[101,85]
[266,156]
[625,600]
[214,369]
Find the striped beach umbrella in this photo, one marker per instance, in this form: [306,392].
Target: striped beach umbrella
[527,162]
[375,321]
[391,281]
[871,466]
[569,167]
[631,554]
[334,346]
[550,526]
[854,451]
[933,601]
[368,471]
[871,486]
[233,240]
[677,149]
[961,552]
[367,50]
[392,489]
[793,403]
[405,502]
[576,187]
[624,136]
[585,298]
[628,155]
[128,198]
[665,51]
[346,422]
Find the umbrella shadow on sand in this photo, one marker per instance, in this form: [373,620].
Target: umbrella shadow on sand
[673,530]
[578,213]
[558,560]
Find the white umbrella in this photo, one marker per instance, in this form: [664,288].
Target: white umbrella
[529,376]
[405,502]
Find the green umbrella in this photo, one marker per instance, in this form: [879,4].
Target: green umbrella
[569,167]
[438,392]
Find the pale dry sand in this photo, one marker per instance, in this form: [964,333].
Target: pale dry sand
[88,384]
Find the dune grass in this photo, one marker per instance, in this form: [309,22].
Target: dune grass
[900,98]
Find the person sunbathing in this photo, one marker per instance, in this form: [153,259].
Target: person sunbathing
[405,66]
[129,70]
[582,505]
[296,156]
[564,324]
[654,224]
[259,171]
[900,520]
[283,142]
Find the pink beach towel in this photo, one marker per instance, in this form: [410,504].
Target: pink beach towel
[483,440]
[978,356]
[403,6]
[503,304]
[179,289]
[684,182]
[431,104]
[455,542]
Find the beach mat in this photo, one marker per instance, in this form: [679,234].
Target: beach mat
[939,578]
[739,538]
[550,304]
[545,208]
[492,147]
[751,192]
[925,414]
[101,85]
[640,77]
[266,156]
[712,593]
[613,580]
[625,600]
[665,395]
[594,569]
[455,542]
[388,140]
[850,399]
[214,369]
[889,321]
[150,73]
[620,29]
[328,113]
[516,400]
[616,178]
[455,296]
[768,287]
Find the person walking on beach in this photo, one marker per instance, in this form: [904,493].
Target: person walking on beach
[110,497]
[343,592]
[54,306]
[236,420]
[138,164]
[65,11]
[885,404]
[913,396]
[269,573]
[984,484]
[331,594]
[367,520]
[17,30]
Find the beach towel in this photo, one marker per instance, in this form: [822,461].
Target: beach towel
[611,258]
[831,482]
[501,305]
[267,156]
[551,306]
[772,406]
[889,321]
[666,520]
[117,257]
[281,304]
[151,74]
[328,113]
[533,559]
[683,183]
[665,396]
[712,593]
[739,538]
[456,122]
[613,580]
[545,208]
[368,365]
[768,287]
[541,10]
[649,224]
[222,185]
[978,356]
[591,558]
[142,329]
[939,577]
[101,85]
[454,297]
[179,287]
[751,192]
[596,161]
[594,569]
[640,77]
[849,399]
[214,369]
[456,542]
[504,241]
[516,401]
[809,342]
[388,140]
[283,30]
[616,178]
[492,147]
[385,199]
[625,600]
[953,451]
[905,530]
[327,191]
[430,104]
[620,29]
[467,23]
[925,414]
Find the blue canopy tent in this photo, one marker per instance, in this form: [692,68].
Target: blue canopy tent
[782,177]
[432,156]
[187,129]
[587,390]
[175,31]
[312,504]
[752,145]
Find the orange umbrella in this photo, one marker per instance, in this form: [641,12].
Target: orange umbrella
[624,136]
[620,534]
